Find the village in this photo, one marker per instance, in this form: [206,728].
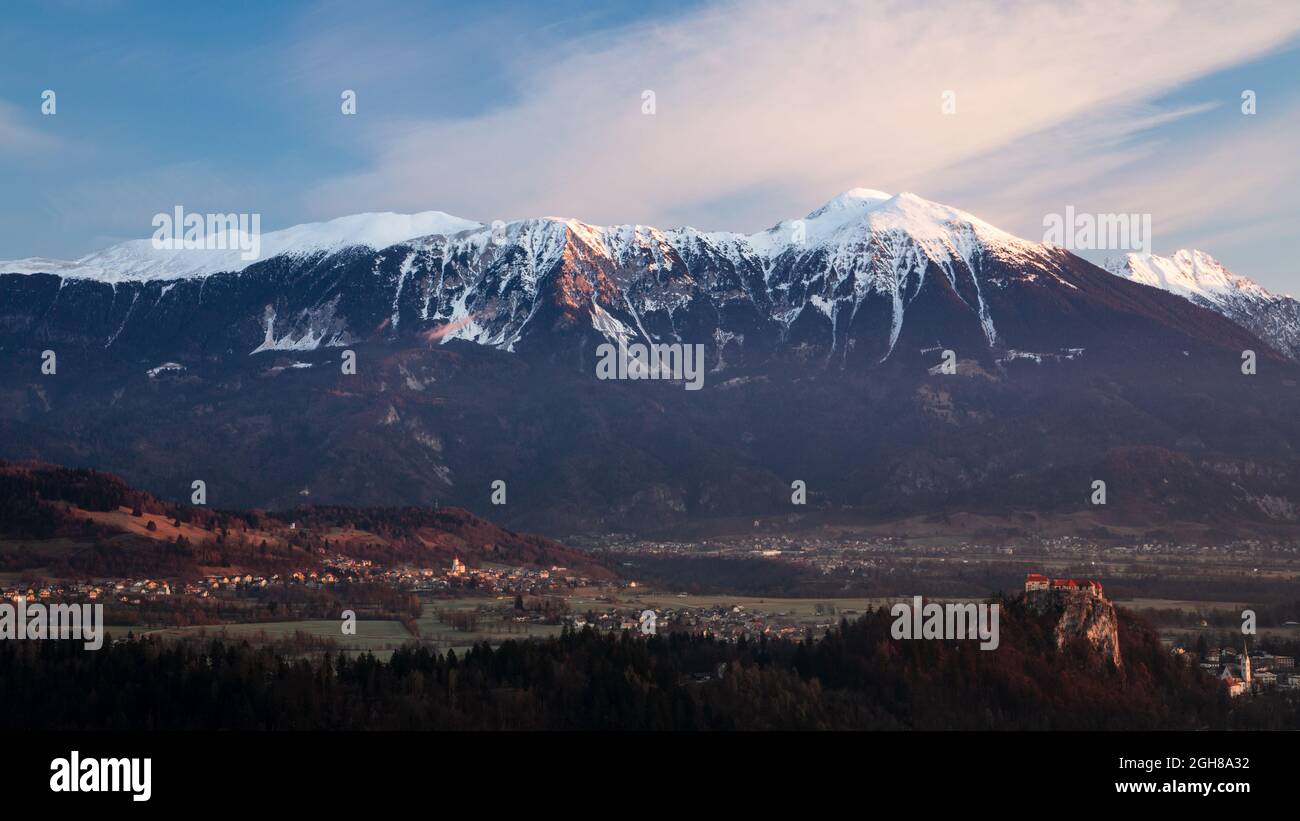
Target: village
[724,622]
[1244,672]
[559,597]
[335,571]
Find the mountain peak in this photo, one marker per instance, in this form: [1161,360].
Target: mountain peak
[1203,280]
[855,199]
[1190,273]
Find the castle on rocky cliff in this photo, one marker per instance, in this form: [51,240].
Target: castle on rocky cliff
[1080,610]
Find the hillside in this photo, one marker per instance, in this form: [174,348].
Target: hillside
[83,522]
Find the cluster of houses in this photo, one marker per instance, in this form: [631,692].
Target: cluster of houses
[136,591]
[1245,672]
[209,585]
[515,580]
[127,591]
[725,622]
[497,580]
[336,570]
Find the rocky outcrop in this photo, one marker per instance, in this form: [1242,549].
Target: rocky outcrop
[1080,615]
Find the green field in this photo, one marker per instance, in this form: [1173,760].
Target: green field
[375,636]
[380,637]
[797,610]
[1178,604]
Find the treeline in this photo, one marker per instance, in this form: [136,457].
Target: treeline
[1266,615]
[276,602]
[856,677]
[25,511]
[29,494]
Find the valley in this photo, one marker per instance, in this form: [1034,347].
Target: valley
[449,581]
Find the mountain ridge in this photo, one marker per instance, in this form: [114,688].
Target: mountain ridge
[856,278]
[1202,280]
[382,230]
[823,356]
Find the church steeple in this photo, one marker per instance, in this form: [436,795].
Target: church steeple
[1245,662]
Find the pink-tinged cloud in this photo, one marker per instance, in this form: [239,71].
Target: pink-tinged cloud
[769,106]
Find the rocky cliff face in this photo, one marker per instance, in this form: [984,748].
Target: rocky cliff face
[1080,616]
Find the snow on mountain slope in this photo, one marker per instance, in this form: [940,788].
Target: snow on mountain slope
[939,227]
[1203,280]
[858,279]
[1190,274]
[139,261]
[869,254]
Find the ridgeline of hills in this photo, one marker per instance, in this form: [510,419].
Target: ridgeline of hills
[84,523]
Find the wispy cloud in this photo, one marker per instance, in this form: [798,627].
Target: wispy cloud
[17,137]
[1235,195]
[763,105]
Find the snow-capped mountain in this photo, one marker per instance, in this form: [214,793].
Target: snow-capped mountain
[225,251]
[859,279]
[1203,280]
[477,347]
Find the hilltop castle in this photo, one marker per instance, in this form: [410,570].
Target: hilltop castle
[1080,610]
[1037,581]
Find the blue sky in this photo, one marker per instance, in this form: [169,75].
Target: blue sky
[764,110]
